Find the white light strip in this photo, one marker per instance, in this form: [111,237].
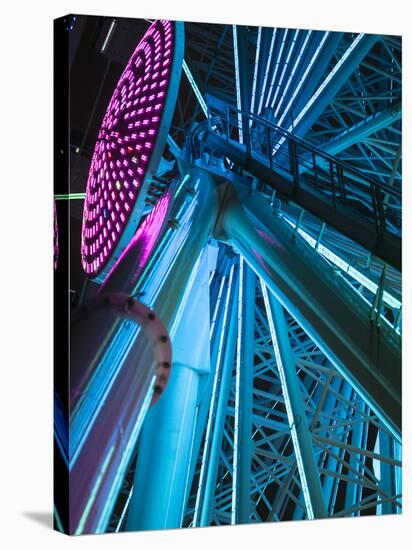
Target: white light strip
[289,411]
[126,506]
[237,393]
[305,74]
[219,298]
[265,78]
[195,88]
[108,35]
[212,401]
[285,66]
[329,78]
[252,103]
[174,148]
[346,267]
[321,88]
[295,66]
[237,75]
[276,67]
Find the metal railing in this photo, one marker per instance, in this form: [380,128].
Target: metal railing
[307,166]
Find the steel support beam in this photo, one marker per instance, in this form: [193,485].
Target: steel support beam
[217,411]
[301,436]
[330,484]
[320,61]
[242,505]
[330,313]
[333,82]
[161,478]
[352,489]
[363,129]
[387,473]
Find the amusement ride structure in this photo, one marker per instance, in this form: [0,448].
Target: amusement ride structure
[237,357]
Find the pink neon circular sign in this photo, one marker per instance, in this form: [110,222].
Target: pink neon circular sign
[126,150]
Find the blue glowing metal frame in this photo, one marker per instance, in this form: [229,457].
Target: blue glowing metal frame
[285,66]
[255,72]
[265,78]
[237,75]
[275,72]
[195,87]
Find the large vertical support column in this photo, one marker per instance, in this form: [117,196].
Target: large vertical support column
[164,454]
[168,427]
[218,405]
[334,317]
[217,305]
[242,506]
[301,436]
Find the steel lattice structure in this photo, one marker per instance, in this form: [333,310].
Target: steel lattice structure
[277,264]
[344,436]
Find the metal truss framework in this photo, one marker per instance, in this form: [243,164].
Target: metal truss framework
[249,461]
[269,387]
[357,458]
[279,433]
[288,67]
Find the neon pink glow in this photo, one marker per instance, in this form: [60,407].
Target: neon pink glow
[150,228]
[146,236]
[112,191]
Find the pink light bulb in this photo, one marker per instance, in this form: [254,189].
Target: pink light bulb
[148,68]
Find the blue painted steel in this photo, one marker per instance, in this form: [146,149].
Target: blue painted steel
[217,411]
[360,131]
[220,294]
[328,311]
[353,489]
[332,84]
[335,456]
[242,504]
[293,79]
[165,447]
[321,58]
[387,473]
[310,481]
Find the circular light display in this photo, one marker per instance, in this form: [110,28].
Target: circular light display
[130,142]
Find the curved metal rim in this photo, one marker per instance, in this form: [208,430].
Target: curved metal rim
[155,330]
